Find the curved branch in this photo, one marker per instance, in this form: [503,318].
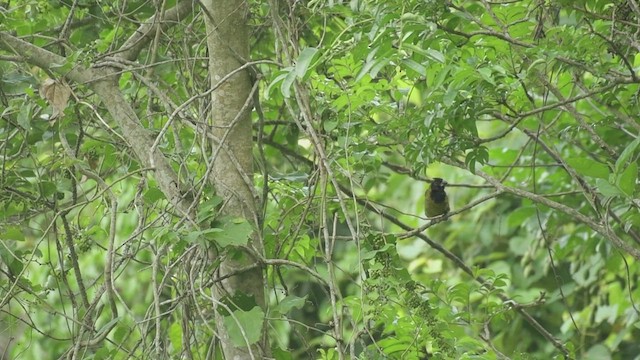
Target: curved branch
[102,81]
[145,33]
[602,230]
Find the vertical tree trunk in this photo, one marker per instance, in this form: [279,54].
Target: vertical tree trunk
[228,44]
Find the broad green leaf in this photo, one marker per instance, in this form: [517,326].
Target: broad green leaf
[441,77]
[281,354]
[175,336]
[626,155]
[606,189]
[378,65]
[152,195]
[477,155]
[330,125]
[370,254]
[12,232]
[234,233]
[415,66]
[519,216]
[486,75]
[430,53]
[597,352]
[239,301]
[304,61]
[436,55]
[275,81]
[48,188]
[290,302]
[519,245]
[120,333]
[606,313]
[207,209]
[166,235]
[627,181]
[24,116]
[588,167]
[248,322]
[368,64]
[200,235]
[111,323]
[459,292]
[64,67]
[450,95]
[285,87]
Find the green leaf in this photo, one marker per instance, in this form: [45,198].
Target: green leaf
[415,66]
[120,333]
[436,55]
[285,87]
[200,235]
[233,233]
[459,292]
[330,125]
[606,189]
[441,77]
[207,209]
[175,336]
[606,313]
[477,155]
[111,323]
[239,301]
[290,302]
[486,75]
[166,235]
[12,232]
[274,82]
[378,65]
[248,322]
[519,245]
[48,188]
[627,181]
[519,216]
[588,167]
[450,96]
[370,61]
[281,354]
[626,155]
[304,60]
[24,116]
[64,67]
[598,352]
[152,195]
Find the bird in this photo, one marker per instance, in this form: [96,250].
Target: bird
[436,201]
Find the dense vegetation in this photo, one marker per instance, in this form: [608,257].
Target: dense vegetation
[528,109]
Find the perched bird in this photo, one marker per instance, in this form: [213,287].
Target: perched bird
[436,202]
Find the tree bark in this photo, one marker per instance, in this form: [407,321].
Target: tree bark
[231,103]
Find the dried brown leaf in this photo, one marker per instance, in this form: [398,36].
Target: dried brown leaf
[57,95]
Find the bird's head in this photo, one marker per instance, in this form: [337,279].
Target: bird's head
[438,184]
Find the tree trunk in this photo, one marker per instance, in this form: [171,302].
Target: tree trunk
[231,104]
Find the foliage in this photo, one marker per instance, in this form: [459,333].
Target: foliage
[528,108]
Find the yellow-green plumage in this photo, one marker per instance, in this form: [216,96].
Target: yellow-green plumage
[436,201]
